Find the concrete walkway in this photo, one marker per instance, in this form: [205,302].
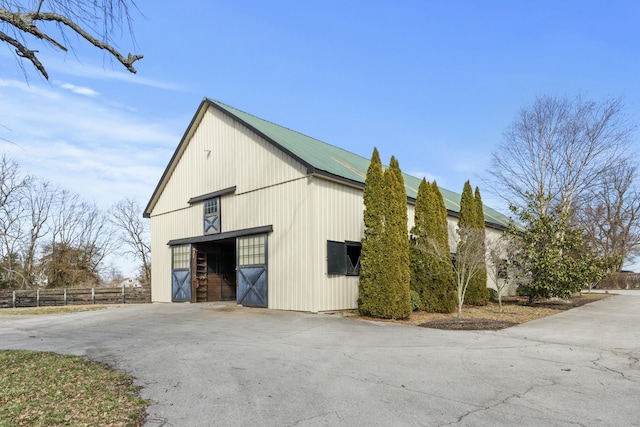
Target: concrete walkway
[208,364]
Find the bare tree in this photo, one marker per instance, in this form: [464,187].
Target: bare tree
[126,215]
[501,268]
[13,187]
[95,21]
[40,199]
[469,259]
[611,215]
[559,148]
[80,241]
[96,237]
[45,229]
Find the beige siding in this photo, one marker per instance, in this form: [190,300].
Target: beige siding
[162,227]
[336,215]
[221,154]
[284,207]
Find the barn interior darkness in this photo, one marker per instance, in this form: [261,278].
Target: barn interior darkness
[215,271]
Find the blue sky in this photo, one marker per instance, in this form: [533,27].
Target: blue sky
[434,83]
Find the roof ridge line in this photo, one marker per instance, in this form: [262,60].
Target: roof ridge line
[220,103]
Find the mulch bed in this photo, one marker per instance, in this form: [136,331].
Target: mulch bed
[488,324]
[468,324]
[559,303]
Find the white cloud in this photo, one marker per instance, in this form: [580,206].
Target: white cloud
[33,90]
[78,69]
[79,143]
[57,65]
[80,90]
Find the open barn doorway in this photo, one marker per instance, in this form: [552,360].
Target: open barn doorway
[214,271]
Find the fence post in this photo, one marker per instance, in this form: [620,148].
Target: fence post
[93,295]
[37,297]
[65,296]
[14,299]
[123,300]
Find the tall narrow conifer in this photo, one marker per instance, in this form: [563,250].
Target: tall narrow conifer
[468,209]
[370,295]
[431,273]
[443,278]
[420,245]
[480,293]
[472,215]
[397,274]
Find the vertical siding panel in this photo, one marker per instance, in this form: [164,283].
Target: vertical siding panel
[222,153]
[338,217]
[285,207]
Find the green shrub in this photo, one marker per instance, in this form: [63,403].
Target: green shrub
[493,295]
[415,300]
[523,291]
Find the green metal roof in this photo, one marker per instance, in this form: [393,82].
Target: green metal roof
[319,158]
[332,161]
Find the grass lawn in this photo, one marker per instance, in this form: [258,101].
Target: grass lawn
[48,389]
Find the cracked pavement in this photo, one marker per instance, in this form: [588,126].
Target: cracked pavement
[215,364]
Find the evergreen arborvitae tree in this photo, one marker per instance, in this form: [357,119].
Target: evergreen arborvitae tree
[443,290]
[482,284]
[477,292]
[396,272]
[370,291]
[468,209]
[420,255]
[431,277]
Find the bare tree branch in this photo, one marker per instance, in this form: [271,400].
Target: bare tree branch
[558,148]
[73,15]
[23,52]
[611,215]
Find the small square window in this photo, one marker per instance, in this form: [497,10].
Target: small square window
[212,216]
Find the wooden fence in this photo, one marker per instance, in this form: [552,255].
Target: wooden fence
[620,281]
[74,296]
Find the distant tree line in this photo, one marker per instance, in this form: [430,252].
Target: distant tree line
[50,237]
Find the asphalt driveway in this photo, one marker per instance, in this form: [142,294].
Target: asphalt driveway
[208,364]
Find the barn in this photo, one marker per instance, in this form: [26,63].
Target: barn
[253,212]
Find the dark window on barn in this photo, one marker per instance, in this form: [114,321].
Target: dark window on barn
[343,258]
[212,216]
[353,258]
